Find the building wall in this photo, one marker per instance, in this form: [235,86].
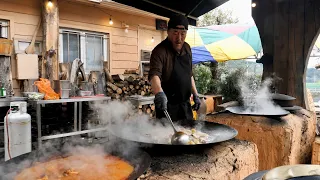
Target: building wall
[78,14]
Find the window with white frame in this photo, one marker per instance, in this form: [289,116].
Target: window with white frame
[90,47]
[4,29]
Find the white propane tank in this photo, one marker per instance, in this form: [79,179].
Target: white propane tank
[19,130]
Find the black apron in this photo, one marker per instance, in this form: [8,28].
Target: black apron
[178,90]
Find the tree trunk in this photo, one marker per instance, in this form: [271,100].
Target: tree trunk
[6,74]
[214,70]
[288,29]
[50,18]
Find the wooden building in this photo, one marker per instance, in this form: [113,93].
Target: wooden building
[79,29]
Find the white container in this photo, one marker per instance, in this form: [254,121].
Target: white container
[19,130]
[65,93]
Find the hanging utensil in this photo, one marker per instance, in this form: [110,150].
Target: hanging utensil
[178,137]
[31,49]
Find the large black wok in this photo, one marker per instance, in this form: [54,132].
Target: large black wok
[139,159]
[288,172]
[259,176]
[239,110]
[155,135]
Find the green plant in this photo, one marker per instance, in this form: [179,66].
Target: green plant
[203,78]
[229,87]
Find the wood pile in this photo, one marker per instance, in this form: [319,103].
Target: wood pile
[127,85]
[122,86]
[147,109]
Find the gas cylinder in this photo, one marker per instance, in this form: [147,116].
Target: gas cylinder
[18,125]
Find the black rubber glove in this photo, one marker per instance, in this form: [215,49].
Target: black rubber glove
[160,101]
[197,102]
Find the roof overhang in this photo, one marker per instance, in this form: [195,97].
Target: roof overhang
[166,8]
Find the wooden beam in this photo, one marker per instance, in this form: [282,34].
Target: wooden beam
[50,18]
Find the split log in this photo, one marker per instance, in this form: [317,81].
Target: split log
[130,79]
[112,86]
[115,96]
[281,141]
[107,72]
[119,91]
[153,107]
[142,93]
[131,71]
[119,85]
[118,77]
[234,159]
[109,90]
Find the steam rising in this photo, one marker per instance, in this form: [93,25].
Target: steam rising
[119,117]
[122,119]
[258,101]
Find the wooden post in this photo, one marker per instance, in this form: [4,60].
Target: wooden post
[288,29]
[50,18]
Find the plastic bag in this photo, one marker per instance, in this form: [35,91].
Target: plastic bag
[44,87]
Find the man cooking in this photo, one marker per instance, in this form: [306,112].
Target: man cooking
[171,74]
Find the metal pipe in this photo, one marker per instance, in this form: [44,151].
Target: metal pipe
[39,125]
[73,133]
[80,115]
[173,10]
[75,119]
[194,8]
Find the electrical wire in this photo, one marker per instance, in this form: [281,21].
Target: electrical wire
[8,133]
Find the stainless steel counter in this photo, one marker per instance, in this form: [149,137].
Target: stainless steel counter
[4,102]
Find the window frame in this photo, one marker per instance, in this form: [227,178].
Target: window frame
[4,28]
[17,44]
[83,50]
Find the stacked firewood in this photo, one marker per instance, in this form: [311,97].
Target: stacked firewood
[147,109]
[125,85]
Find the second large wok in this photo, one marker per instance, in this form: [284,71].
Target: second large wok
[139,159]
[161,135]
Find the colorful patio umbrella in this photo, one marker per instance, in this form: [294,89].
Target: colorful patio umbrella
[223,42]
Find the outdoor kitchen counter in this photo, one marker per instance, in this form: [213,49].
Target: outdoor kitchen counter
[281,141]
[233,159]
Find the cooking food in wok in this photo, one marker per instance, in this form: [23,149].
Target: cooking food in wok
[85,164]
[79,167]
[201,132]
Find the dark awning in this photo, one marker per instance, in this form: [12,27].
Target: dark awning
[167,8]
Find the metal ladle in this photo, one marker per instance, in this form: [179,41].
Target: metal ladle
[179,137]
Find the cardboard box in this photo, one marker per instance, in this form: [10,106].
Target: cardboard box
[27,66]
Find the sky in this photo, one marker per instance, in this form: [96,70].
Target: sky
[240,9]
